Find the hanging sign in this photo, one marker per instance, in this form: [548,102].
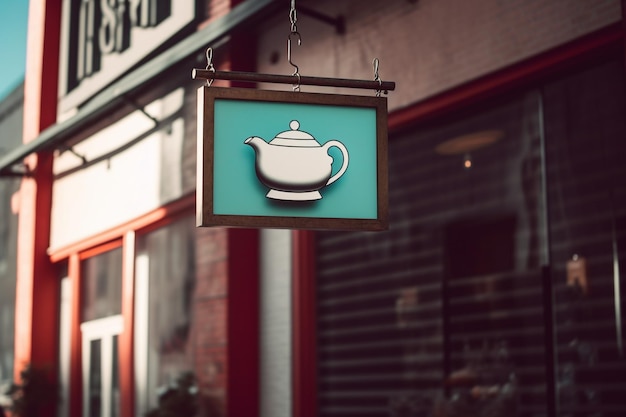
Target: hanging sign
[291,160]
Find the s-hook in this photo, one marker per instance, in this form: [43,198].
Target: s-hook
[376,63]
[209,65]
[293,19]
[296,73]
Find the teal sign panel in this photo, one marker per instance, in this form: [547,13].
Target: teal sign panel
[296,160]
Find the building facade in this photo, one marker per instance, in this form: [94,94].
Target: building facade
[496,290]
[11,128]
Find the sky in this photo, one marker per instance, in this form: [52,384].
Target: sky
[13,22]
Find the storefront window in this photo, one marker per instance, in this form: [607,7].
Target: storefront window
[441,314]
[586,132]
[165,281]
[496,291]
[102,285]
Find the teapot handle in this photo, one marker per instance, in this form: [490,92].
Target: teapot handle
[344,165]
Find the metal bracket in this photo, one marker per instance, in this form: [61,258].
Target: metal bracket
[156,121]
[142,110]
[16,172]
[71,150]
[339,22]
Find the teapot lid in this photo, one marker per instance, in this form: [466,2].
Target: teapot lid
[294,137]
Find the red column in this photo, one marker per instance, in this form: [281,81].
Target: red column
[242,387]
[624,26]
[37,287]
[304,325]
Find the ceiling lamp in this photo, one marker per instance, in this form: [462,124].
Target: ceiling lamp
[465,144]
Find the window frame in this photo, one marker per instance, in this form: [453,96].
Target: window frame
[122,236]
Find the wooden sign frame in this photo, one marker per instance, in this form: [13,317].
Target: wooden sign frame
[208,168]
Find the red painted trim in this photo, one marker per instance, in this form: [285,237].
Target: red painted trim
[242,390]
[150,221]
[304,325]
[624,28]
[97,250]
[76,377]
[243,60]
[509,78]
[37,283]
[125,340]
[242,321]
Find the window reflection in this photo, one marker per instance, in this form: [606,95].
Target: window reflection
[464,307]
[166,272]
[95,379]
[441,317]
[102,285]
[585,133]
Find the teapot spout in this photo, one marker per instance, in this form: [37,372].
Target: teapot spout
[257,143]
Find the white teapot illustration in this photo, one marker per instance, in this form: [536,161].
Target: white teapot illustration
[294,165]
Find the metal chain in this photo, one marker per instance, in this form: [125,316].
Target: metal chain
[376,63]
[293,19]
[209,65]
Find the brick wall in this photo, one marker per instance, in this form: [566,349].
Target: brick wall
[214,9]
[210,298]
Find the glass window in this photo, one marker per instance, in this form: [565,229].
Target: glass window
[498,289]
[102,285]
[165,281]
[441,315]
[95,379]
[586,137]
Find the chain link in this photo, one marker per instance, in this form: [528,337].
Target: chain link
[293,17]
[376,63]
[209,65]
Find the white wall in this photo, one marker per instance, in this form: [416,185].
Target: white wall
[275,323]
[129,184]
